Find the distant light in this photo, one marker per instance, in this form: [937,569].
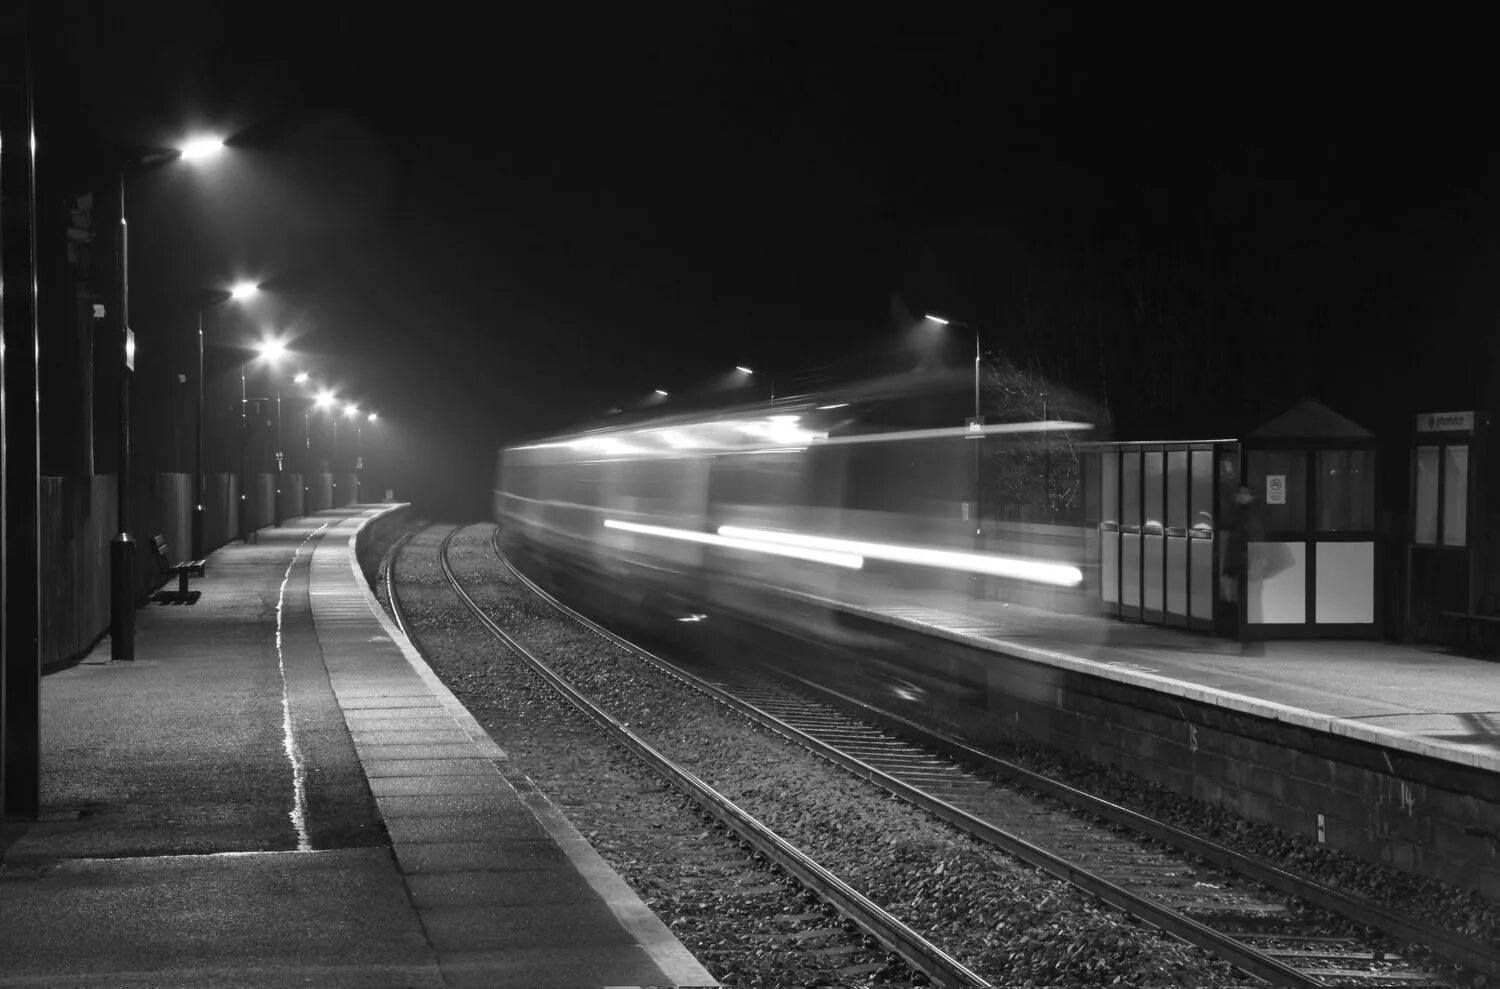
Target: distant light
[202,147]
[692,618]
[272,350]
[661,393]
[351,410]
[1001,566]
[836,405]
[937,319]
[743,369]
[301,378]
[243,290]
[729,542]
[373,416]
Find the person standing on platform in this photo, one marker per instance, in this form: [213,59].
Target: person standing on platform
[1249,527]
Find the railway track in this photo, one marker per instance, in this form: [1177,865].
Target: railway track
[918,952]
[1250,913]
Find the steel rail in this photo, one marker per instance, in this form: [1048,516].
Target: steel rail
[388,566]
[1449,945]
[919,952]
[1172,922]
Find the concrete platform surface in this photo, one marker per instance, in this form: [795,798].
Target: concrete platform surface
[1420,699]
[278,791]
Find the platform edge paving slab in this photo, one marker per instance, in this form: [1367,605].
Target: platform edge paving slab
[944,625]
[633,946]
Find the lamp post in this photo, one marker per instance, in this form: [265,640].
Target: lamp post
[122,565]
[351,411]
[976,425]
[326,399]
[269,350]
[240,292]
[371,418]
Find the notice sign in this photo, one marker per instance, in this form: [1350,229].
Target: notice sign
[1445,422]
[1275,489]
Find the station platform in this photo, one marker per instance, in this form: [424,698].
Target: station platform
[278,791]
[1387,752]
[1424,700]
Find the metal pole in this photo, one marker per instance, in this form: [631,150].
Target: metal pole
[333,461]
[977,584]
[122,547]
[199,496]
[359,455]
[276,510]
[244,459]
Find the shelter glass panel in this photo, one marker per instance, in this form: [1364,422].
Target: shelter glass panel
[1455,494]
[1289,514]
[1280,598]
[1345,591]
[1130,570]
[1177,576]
[1346,491]
[1202,472]
[1177,489]
[1130,493]
[1109,477]
[1152,469]
[1201,567]
[1425,513]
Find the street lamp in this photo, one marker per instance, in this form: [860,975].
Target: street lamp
[122,548]
[270,350]
[239,293]
[325,399]
[976,426]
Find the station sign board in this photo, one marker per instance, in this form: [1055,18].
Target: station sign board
[1445,422]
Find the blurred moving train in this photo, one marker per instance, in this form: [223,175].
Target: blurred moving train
[845,496]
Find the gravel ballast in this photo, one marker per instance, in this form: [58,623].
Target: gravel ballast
[1009,922]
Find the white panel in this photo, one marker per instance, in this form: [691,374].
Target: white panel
[1109,566]
[1177,575]
[1130,570]
[1280,599]
[1153,594]
[1346,583]
[1201,563]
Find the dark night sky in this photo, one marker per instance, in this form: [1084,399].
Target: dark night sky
[505,223]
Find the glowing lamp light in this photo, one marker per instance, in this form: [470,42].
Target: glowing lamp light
[743,369]
[202,147]
[660,392]
[937,319]
[326,399]
[271,350]
[300,378]
[241,291]
[351,410]
[373,416]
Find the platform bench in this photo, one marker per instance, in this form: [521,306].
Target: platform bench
[1474,624]
[168,569]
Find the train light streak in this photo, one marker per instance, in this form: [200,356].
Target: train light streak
[833,557]
[987,563]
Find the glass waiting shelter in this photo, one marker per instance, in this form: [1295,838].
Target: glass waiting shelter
[1315,569]
[1155,506]
[1444,564]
